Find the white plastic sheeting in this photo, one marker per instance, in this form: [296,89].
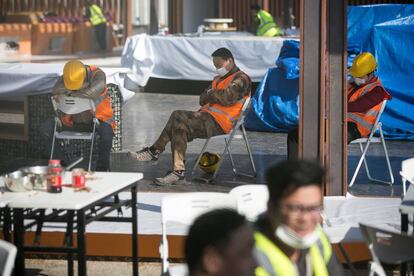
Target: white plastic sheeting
[189,58]
[18,80]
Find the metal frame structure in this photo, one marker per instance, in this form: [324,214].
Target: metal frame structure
[93,212]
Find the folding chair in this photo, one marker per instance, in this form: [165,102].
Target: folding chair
[367,141]
[184,208]
[251,200]
[7,255]
[387,247]
[407,173]
[228,138]
[70,106]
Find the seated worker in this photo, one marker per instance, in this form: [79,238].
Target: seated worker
[263,23]
[365,97]
[289,237]
[221,104]
[83,81]
[220,242]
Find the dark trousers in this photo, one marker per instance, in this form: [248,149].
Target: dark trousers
[105,143]
[293,137]
[100,31]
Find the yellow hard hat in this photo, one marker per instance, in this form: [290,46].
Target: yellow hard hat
[363,64]
[208,162]
[74,74]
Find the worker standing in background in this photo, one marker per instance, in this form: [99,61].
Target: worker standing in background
[97,18]
[264,24]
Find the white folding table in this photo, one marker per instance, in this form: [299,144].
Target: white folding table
[88,206]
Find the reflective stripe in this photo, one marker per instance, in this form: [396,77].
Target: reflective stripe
[273,261]
[110,121]
[281,264]
[372,112]
[368,88]
[265,267]
[359,120]
[221,112]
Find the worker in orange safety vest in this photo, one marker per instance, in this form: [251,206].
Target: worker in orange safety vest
[85,81]
[365,97]
[221,104]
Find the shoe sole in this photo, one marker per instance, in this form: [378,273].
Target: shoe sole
[179,182]
[153,162]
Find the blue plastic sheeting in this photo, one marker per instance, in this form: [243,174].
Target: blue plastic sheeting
[387,31]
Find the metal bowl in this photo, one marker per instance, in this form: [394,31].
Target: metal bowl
[37,176]
[18,182]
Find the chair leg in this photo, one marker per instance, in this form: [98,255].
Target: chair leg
[249,150]
[365,162]
[226,150]
[53,142]
[386,156]
[360,162]
[91,150]
[199,157]
[404,184]
[231,159]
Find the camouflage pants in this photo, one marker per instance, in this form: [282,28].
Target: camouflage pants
[182,127]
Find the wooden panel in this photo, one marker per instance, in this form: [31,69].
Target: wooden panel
[310,80]
[336,155]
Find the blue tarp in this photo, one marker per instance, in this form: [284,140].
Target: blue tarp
[387,31]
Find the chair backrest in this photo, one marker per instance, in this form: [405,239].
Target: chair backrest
[184,208]
[374,126]
[243,113]
[251,200]
[72,105]
[387,246]
[407,168]
[7,255]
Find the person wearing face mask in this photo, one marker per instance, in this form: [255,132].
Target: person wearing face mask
[221,105]
[365,97]
[289,237]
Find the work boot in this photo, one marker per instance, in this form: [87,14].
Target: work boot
[174,177]
[146,154]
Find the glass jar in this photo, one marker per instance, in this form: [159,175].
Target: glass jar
[54,177]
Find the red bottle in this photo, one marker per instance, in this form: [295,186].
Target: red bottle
[54,177]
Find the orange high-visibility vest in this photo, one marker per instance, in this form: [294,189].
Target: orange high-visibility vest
[103,104]
[364,121]
[225,116]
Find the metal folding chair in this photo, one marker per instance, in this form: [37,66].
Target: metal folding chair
[70,106]
[367,141]
[228,138]
[251,200]
[7,256]
[387,247]
[407,173]
[184,208]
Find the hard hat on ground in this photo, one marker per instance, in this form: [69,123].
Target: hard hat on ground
[74,74]
[363,64]
[208,162]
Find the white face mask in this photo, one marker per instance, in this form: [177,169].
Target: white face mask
[359,81]
[222,71]
[292,239]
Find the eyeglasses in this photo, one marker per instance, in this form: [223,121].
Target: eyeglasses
[296,209]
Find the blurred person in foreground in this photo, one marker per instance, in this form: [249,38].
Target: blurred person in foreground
[220,243]
[289,237]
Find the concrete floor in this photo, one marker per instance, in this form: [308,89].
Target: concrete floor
[145,115]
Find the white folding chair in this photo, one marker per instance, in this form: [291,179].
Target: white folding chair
[73,105]
[228,138]
[251,200]
[387,247]
[407,173]
[367,141]
[7,256]
[184,208]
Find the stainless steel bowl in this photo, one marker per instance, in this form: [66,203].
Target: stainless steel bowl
[18,182]
[37,176]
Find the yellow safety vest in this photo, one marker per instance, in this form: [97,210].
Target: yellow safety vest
[273,262]
[267,25]
[97,16]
